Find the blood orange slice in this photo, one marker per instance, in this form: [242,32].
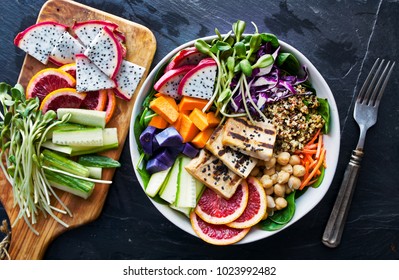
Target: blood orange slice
[95,100]
[214,209]
[111,104]
[70,69]
[256,206]
[216,234]
[62,98]
[48,80]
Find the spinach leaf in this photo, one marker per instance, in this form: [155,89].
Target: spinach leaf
[299,193]
[267,37]
[321,177]
[138,129]
[285,215]
[145,176]
[288,62]
[324,111]
[269,225]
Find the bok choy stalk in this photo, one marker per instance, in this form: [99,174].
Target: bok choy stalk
[23,130]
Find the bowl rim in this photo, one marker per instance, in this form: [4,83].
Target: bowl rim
[333,137]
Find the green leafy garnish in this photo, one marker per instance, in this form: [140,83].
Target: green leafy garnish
[324,111]
[288,62]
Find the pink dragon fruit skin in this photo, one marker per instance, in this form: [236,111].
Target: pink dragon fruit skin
[39,39]
[169,82]
[200,81]
[65,50]
[86,31]
[127,79]
[188,56]
[89,77]
[105,52]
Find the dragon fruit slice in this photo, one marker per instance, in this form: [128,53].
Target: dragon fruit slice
[199,81]
[88,30]
[89,77]
[169,82]
[65,50]
[127,79]
[39,39]
[188,56]
[105,52]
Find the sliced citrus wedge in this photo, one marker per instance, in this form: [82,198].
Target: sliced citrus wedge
[111,104]
[70,69]
[214,209]
[95,100]
[216,234]
[48,80]
[256,206]
[62,98]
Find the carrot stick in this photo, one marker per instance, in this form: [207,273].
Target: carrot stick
[310,147]
[309,158]
[314,137]
[313,164]
[311,175]
[311,152]
[319,144]
[312,182]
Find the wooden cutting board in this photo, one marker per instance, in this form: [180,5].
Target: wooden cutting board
[141,46]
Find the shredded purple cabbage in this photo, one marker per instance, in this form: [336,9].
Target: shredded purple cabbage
[266,85]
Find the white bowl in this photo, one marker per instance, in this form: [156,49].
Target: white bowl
[308,200]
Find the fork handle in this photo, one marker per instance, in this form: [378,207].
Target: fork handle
[335,225]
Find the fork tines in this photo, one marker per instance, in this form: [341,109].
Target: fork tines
[371,92]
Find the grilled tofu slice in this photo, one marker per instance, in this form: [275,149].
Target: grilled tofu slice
[212,172]
[255,140]
[237,162]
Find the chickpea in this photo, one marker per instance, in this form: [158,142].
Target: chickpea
[277,167]
[274,178]
[279,189]
[269,191]
[287,168]
[298,170]
[283,158]
[294,182]
[255,171]
[288,190]
[266,181]
[270,202]
[281,203]
[270,171]
[260,163]
[294,160]
[271,163]
[282,177]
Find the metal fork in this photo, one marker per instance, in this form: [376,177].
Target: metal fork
[365,114]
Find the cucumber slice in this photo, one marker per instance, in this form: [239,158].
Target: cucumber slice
[58,148]
[95,172]
[69,184]
[83,116]
[89,137]
[110,141]
[156,182]
[169,190]
[199,188]
[55,160]
[98,161]
[64,127]
[186,195]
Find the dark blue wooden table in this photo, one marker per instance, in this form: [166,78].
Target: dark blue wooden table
[342,39]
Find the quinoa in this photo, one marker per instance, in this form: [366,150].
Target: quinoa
[296,121]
